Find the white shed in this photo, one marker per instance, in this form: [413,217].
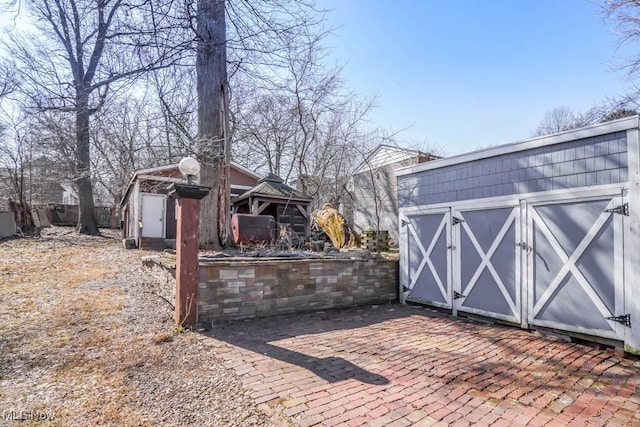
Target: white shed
[149,215]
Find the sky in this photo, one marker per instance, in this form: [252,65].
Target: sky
[468,74]
[463,75]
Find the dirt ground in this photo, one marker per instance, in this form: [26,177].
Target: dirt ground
[85,340]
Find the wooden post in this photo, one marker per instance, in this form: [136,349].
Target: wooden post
[187,262]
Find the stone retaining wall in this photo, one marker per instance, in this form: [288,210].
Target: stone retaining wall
[242,289]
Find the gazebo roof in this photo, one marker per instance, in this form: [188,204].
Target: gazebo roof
[273,187]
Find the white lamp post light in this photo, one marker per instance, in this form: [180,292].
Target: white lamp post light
[190,168]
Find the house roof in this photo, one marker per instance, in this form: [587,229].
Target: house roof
[273,187]
[167,170]
[173,173]
[244,170]
[387,154]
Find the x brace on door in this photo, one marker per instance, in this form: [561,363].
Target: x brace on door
[486,260]
[426,253]
[569,262]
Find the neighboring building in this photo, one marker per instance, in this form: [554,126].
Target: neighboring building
[34,185]
[149,216]
[41,183]
[373,187]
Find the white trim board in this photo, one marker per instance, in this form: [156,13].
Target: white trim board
[514,199]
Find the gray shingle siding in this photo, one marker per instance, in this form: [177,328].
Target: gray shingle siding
[581,163]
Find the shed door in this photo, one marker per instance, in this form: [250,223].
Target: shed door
[487,262]
[153,208]
[427,277]
[576,267]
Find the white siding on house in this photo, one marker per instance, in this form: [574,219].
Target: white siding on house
[375,191]
[385,155]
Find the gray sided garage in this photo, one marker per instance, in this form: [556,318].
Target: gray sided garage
[542,233]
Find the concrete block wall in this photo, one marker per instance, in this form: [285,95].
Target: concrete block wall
[582,163]
[243,289]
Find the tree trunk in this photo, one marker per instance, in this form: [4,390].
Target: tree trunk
[87,223]
[213,101]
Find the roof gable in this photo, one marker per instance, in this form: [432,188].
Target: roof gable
[273,186]
[386,155]
[172,171]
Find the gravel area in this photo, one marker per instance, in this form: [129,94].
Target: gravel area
[86,340]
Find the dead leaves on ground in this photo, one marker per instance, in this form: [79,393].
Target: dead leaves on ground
[73,332]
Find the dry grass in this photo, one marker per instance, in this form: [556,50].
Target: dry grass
[80,336]
[74,334]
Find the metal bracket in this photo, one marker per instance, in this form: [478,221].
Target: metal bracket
[456,220]
[405,289]
[625,319]
[524,246]
[404,223]
[453,248]
[621,210]
[457,295]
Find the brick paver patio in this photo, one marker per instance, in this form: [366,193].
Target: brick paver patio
[398,365]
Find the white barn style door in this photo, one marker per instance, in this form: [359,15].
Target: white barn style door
[576,266]
[427,264]
[487,262]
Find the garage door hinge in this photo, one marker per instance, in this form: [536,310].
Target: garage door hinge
[625,319]
[405,289]
[404,223]
[456,220]
[457,295]
[525,246]
[622,209]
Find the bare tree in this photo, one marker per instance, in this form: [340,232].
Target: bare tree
[15,154]
[213,130]
[27,177]
[625,14]
[559,119]
[126,136]
[264,133]
[302,124]
[82,50]
[175,89]
[8,82]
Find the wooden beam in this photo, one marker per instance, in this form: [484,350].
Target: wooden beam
[303,211]
[263,207]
